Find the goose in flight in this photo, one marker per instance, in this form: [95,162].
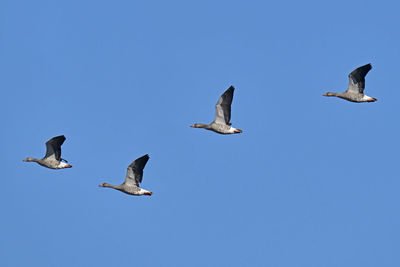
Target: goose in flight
[355,91]
[52,159]
[221,123]
[133,178]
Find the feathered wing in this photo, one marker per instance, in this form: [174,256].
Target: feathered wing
[53,147]
[223,107]
[134,174]
[357,79]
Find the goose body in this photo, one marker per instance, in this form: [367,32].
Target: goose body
[52,159]
[355,90]
[134,176]
[221,123]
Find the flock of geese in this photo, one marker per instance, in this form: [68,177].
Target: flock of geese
[221,125]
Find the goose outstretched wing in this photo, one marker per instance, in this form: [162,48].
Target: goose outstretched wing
[357,79]
[53,147]
[223,107]
[134,173]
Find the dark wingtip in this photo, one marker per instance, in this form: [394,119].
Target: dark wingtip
[146,156]
[60,137]
[368,66]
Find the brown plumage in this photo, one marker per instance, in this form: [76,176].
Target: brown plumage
[355,90]
[52,159]
[134,176]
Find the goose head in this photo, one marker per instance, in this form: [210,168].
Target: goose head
[28,159]
[104,185]
[199,125]
[329,94]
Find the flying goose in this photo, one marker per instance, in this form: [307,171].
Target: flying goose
[133,178]
[52,159]
[355,91]
[221,123]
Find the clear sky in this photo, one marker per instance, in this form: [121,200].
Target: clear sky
[312,181]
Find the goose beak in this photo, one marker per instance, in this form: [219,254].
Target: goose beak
[101,185]
[68,166]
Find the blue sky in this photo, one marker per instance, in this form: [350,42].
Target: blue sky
[312,181]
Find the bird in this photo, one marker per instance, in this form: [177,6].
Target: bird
[221,123]
[52,159]
[133,178]
[355,91]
